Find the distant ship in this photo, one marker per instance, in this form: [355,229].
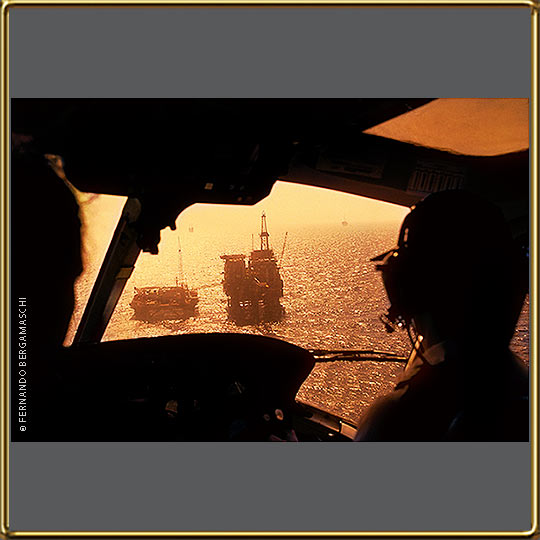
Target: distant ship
[154,304]
[254,287]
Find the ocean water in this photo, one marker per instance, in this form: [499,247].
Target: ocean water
[333,298]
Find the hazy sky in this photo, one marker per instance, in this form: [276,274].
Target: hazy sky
[295,204]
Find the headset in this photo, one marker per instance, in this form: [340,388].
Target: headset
[396,268]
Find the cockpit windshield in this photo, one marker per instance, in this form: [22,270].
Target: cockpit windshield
[318,243]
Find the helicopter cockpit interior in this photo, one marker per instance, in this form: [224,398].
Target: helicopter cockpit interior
[162,156]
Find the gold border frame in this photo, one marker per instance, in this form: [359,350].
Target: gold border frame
[5,532]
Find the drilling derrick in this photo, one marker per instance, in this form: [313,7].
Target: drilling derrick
[265,244]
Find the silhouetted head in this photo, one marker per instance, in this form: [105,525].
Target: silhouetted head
[46,247]
[457,266]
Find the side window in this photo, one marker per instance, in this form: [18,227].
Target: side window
[99,215]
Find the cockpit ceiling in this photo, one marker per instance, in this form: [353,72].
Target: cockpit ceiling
[176,152]
[200,147]
[481,127]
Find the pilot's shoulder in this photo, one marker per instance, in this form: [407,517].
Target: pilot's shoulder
[380,421]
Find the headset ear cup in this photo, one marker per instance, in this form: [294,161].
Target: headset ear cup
[404,289]
[396,279]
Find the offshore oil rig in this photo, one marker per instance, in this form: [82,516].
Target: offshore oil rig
[154,304]
[254,287]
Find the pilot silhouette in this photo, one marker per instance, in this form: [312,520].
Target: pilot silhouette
[45,262]
[456,282]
